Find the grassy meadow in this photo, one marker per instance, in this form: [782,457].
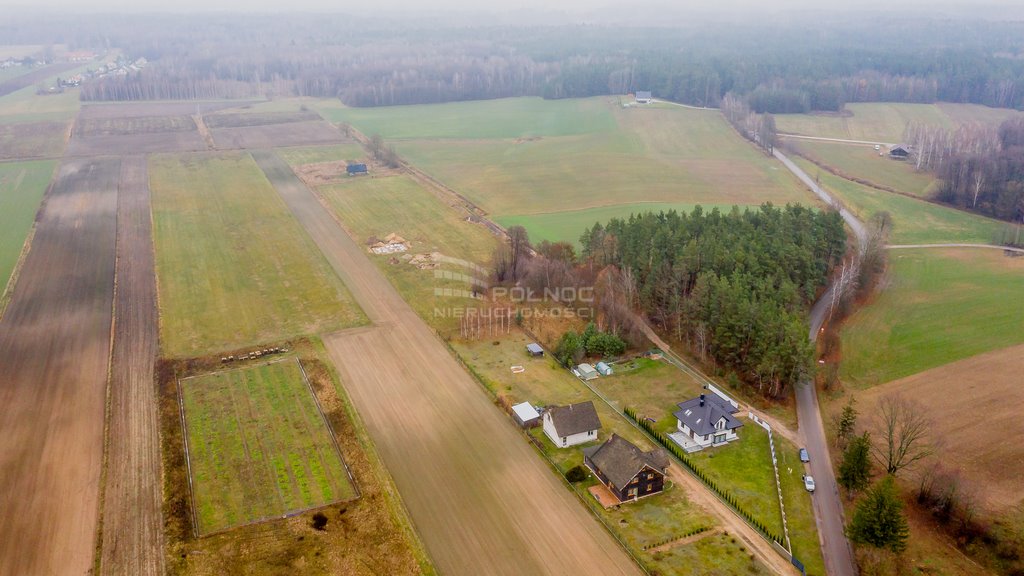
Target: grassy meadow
[864,163]
[914,221]
[372,206]
[258,447]
[233,267]
[886,121]
[317,154]
[22,186]
[526,156]
[937,306]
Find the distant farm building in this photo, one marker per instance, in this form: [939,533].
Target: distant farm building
[534,349]
[628,472]
[643,97]
[356,169]
[571,425]
[899,152]
[586,371]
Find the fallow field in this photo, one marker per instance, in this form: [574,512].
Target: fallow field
[522,157]
[258,447]
[22,186]
[886,121]
[863,163]
[233,266]
[914,221]
[937,306]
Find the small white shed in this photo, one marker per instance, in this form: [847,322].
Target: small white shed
[525,415]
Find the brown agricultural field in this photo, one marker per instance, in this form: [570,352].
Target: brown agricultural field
[974,409]
[142,109]
[54,349]
[132,125]
[477,493]
[275,135]
[35,140]
[244,119]
[132,524]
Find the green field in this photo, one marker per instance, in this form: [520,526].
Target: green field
[316,154]
[938,306]
[372,206]
[22,186]
[914,221]
[530,156]
[864,163]
[258,446]
[886,121]
[643,523]
[233,267]
[569,226]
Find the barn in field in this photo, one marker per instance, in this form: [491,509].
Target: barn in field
[643,97]
[356,169]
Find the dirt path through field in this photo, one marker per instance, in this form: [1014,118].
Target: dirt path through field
[480,498]
[54,351]
[132,534]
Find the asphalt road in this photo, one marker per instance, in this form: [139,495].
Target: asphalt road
[828,505]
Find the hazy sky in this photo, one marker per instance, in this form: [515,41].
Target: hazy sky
[580,8]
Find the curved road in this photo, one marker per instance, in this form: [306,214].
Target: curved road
[828,506]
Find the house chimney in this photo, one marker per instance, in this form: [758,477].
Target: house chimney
[701,400]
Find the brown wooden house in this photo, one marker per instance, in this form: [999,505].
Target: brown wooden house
[627,471]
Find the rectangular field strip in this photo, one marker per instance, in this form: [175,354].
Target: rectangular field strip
[258,447]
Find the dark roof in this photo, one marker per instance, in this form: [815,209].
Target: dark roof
[900,150]
[575,418]
[356,167]
[643,95]
[620,461]
[701,419]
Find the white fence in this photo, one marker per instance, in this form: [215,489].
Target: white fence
[778,483]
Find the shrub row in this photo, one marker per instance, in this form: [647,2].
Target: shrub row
[693,532]
[683,457]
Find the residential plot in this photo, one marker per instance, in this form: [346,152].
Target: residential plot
[22,186]
[233,266]
[258,446]
[135,134]
[301,156]
[937,306]
[914,221]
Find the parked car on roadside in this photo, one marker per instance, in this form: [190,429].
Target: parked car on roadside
[804,456]
[809,482]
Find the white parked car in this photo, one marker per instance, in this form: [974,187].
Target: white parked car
[809,482]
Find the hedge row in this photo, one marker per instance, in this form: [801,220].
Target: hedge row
[693,532]
[683,457]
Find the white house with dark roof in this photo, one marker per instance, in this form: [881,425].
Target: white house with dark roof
[706,421]
[571,425]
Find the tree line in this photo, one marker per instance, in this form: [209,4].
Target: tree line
[735,286]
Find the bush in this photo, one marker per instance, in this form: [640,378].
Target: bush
[319,521]
[576,474]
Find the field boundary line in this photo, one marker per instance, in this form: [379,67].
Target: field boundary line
[8,293]
[330,430]
[188,459]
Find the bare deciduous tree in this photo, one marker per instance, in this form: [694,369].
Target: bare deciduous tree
[903,438]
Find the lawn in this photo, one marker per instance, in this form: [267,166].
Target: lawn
[233,266]
[643,523]
[22,186]
[317,154]
[914,221]
[372,206]
[864,164]
[569,225]
[937,306]
[258,446]
[886,121]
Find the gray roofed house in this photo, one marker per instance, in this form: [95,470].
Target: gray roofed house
[900,151]
[571,425]
[707,421]
[534,349]
[627,471]
[643,96]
